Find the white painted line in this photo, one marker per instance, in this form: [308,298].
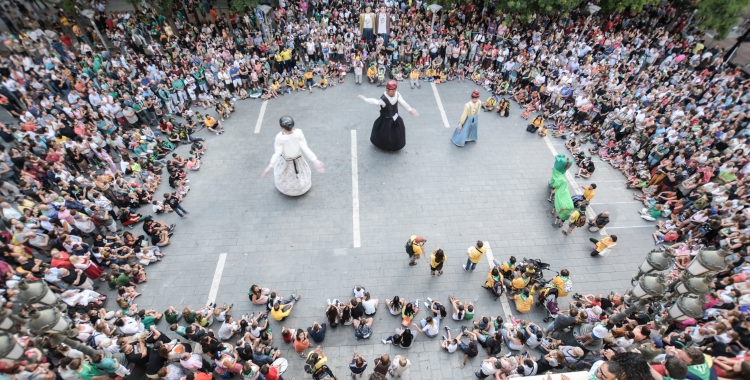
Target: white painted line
[217,278]
[355,192]
[260,117]
[641,226]
[615,203]
[440,105]
[504,298]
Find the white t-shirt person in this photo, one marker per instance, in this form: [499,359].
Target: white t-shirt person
[382,22]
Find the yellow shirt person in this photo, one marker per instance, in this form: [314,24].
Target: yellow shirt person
[475,254]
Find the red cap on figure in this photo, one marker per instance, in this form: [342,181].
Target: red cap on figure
[475,94]
[391,85]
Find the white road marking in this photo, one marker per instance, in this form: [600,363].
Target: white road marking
[260,117]
[355,192]
[440,105]
[217,278]
[573,183]
[648,226]
[504,298]
[615,203]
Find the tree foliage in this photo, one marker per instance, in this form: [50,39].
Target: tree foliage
[612,6]
[719,16]
[69,6]
[527,8]
[239,5]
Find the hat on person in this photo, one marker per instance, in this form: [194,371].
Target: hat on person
[597,310]
[475,94]
[599,332]
[109,315]
[391,85]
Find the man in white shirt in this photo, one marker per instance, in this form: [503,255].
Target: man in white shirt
[228,329]
[489,368]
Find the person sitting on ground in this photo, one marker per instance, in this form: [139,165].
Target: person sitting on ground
[401,338]
[395,306]
[430,326]
[279,312]
[317,332]
[370,305]
[470,350]
[586,168]
[524,301]
[362,328]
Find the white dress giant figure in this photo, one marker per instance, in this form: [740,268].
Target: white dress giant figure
[290,170]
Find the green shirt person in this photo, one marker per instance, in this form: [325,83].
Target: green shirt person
[178,84]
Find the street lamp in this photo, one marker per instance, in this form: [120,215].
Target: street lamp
[89,14]
[9,322]
[10,351]
[708,260]
[36,292]
[687,306]
[656,261]
[434,8]
[49,320]
[692,285]
[650,288]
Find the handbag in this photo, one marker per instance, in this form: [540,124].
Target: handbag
[406,321]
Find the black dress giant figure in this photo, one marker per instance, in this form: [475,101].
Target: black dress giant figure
[388,132]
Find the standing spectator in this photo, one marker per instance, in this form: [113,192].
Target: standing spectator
[437,259]
[474,254]
[577,219]
[399,365]
[415,248]
[603,247]
[357,364]
[599,222]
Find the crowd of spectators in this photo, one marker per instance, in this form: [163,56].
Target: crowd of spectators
[95,128]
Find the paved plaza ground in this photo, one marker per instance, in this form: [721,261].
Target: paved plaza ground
[494,190]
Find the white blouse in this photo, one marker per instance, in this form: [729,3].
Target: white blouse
[291,146]
[391,100]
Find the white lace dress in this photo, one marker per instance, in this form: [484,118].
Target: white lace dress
[291,173]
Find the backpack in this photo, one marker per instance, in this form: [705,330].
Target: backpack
[568,286]
[309,364]
[91,341]
[581,221]
[409,247]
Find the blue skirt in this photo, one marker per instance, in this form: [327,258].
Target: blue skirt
[468,131]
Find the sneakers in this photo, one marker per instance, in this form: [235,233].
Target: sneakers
[329,302]
[429,299]
[427,304]
[464,266]
[464,328]
[385,341]
[296,298]
[444,337]
[565,233]
[447,328]
[417,302]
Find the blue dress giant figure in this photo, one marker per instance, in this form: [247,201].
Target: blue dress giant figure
[467,127]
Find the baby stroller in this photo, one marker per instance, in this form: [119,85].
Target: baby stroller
[324,373]
[547,298]
[539,268]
